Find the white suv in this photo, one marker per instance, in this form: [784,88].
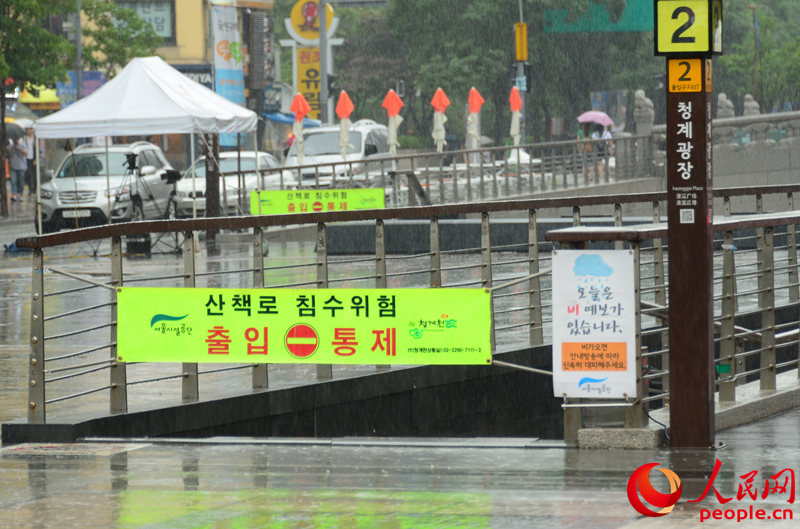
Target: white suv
[368,146]
[93,185]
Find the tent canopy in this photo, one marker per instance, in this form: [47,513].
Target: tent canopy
[148,97]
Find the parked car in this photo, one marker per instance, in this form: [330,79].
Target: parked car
[369,142]
[191,192]
[95,184]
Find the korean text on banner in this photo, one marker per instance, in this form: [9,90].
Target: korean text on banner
[330,326]
[594,324]
[228,75]
[310,201]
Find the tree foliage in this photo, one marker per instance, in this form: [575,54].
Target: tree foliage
[29,53]
[114,35]
[457,44]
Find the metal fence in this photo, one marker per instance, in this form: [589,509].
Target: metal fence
[462,176]
[73,318]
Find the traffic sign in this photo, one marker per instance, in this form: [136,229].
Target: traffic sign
[688,27]
[301,340]
[521,41]
[685,75]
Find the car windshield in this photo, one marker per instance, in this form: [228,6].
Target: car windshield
[93,164]
[327,143]
[227,165]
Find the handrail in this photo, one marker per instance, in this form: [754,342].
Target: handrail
[410,212]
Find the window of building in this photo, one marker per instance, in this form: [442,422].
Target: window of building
[159,13]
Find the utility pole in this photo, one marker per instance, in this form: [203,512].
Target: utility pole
[323,60]
[755,47]
[522,56]
[79,56]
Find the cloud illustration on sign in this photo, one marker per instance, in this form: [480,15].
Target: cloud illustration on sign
[591,265]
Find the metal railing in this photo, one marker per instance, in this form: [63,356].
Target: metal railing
[463,176]
[73,317]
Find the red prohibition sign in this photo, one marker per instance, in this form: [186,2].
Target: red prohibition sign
[317,206]
[301,340]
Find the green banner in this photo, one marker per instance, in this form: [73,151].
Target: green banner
[312,200]
[309,326]
[637,16]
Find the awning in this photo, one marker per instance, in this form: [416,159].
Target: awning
[46,100]
[288,119]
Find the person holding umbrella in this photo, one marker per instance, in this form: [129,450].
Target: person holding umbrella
[17,161]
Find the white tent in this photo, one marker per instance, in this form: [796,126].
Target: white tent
[148,97]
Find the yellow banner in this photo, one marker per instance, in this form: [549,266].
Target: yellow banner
[308,77]
[310,201]
[309,326]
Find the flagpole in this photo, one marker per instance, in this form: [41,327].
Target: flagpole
[755,47]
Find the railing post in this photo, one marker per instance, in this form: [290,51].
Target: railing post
[726,370]
[635,415]
[436,256]
[660,295]
[573,416]
[486,266]
[442,198]
[324,371]
[495,190]
[507,175]
[118,400]
[535,316]
[380,263]
[455,181]
[36,393]
[531,180]
[260,378]
[469,178]
[791,244]
[766,302]
[189,387]
[618,245]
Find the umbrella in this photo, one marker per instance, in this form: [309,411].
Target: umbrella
[392,103]
[300,108]
[14,131]
[344,108]
[516,107]
[475,101]
[25,123]
[595,116]
[440,102]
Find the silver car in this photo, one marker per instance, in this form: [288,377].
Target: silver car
[94,186]
[191,193]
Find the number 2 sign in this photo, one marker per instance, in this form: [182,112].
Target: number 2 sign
[692,27]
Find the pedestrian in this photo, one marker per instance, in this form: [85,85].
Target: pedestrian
[18,163]
[30,146]
[602,145]
[585,150]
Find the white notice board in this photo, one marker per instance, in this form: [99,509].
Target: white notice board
[594,324]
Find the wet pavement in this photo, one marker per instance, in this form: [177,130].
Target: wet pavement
[381,483]
[364,483]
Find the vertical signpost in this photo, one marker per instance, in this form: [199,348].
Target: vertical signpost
[688,33]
